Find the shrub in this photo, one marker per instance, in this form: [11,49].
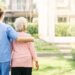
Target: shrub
[72,29]
[73,50]
[62,30]
[32,28]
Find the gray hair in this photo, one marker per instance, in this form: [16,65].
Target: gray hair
[20,24]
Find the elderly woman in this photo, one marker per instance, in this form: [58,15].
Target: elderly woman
[23,54]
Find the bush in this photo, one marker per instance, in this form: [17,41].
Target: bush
[33,28]
[73,50]
[72,29]
[63,30]
[73,54]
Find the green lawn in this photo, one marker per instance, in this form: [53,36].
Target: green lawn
[43,46]
[55,66]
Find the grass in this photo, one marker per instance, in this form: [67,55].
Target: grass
[43,46]
[55,66]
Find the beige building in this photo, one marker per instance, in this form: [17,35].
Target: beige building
[65,11]
[17,8]
[52,12]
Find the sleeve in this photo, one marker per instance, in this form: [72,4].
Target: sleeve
[32,51]
[11,33]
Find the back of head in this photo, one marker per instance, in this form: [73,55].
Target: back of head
[2,9]
[21,24]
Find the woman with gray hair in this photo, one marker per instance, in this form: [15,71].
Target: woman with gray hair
[20,24]
[23,54]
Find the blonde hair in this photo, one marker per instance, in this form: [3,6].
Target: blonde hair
[3,8]
[20,24]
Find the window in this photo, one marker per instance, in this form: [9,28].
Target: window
[22,5]
[19,4]
[34,6]
[62,3]
[62,19]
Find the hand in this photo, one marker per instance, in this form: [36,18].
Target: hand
[31,39]
[37,65]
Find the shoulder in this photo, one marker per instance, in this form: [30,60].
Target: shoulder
[28,35]
[9,26]
[5,26]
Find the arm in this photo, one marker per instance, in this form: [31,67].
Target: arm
[33,54]
[12,34]
[32,51]
[26,39]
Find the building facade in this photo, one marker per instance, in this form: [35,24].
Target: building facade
[52,12]
[65,11]
[17,8]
